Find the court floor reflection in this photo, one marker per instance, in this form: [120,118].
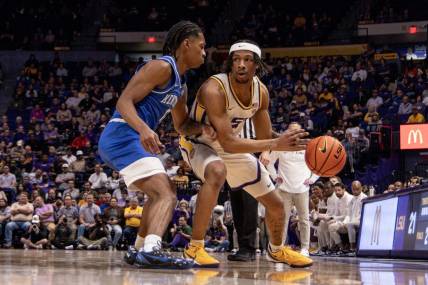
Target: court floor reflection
[25,267]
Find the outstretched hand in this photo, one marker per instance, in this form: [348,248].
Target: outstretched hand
[293,140]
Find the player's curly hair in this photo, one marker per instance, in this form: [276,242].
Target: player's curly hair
[262,69]
[177,34]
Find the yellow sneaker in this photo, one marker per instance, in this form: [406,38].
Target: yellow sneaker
[288,256]
[200,256]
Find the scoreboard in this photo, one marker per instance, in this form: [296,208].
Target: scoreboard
[395,225]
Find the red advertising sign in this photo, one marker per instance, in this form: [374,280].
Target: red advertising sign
[414,136]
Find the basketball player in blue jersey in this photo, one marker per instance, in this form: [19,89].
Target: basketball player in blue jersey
[226,101]
[129,143]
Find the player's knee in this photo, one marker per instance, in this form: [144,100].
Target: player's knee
[215,173]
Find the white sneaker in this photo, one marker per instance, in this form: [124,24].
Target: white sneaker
[304,252]
[69,247]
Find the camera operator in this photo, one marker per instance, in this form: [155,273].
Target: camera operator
[96,237]
[113,216]
[71,214]
[63,234]
[181,233]
[37,235]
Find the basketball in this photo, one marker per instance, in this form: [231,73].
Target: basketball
[325,156]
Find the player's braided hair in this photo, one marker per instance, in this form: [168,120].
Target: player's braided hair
[262,69]
[177,34]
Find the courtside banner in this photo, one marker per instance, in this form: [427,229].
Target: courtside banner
[414,136]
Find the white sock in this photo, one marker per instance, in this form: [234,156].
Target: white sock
[274,248]
[139,242]
[150,242]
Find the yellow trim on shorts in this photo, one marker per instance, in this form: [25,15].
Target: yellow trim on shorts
[185,144]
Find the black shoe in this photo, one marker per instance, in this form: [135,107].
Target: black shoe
[242,255]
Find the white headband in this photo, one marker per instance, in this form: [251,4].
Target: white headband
[246,46]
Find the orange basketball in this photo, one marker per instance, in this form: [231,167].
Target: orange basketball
[325,156]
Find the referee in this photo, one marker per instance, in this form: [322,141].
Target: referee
[245,213]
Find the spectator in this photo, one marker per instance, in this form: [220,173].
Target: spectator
[352,219]
[69,158]
[71,190]
[336,225]
[68,215]
[405,107]
[163,155]
[349,145]
[416,117]
[90,70]
[37,235]
[104,201]
[87,215]
[98,179]
[181,180]
[61,71]
[368,118]
[170,167]
[121,194]
[45,214]
[362,146]
[181,234]
[64,237]
[375,101]
[182,210]
[62,179]
[8,183]
[4,216]
[79,166]
[113,216]
[132,216]
[80,142]
[21,216]
[216,239]
[360,73]
[113,181]
[96,237]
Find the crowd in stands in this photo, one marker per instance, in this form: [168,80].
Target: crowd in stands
[160,15]
[56,192]
[390,11]
[28,25]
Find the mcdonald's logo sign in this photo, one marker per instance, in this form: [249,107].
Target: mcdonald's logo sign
[414,136]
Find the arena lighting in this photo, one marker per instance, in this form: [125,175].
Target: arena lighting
[151,40]
[413,29]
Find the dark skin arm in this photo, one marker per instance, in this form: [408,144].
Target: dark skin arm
[154,74]
[211,93]
[183,124]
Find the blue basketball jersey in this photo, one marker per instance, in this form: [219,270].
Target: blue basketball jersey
[155,106]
